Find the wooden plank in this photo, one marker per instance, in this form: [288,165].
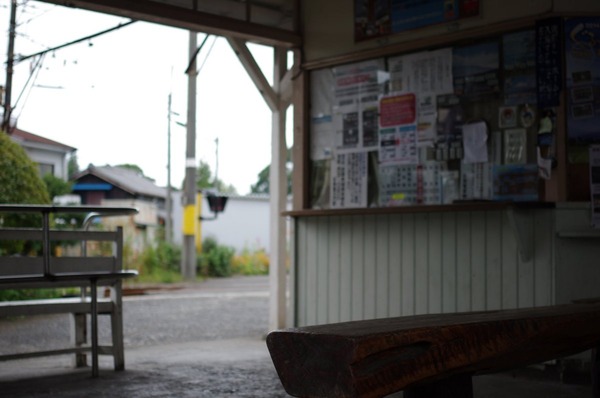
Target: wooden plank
[189,19]
[421,264]
[543,258]
[449,268]
[382,267]
[526,279]
[463,261]
[435,269]
[357,250]
[52,306]
[346,269]
[322,270]
[408,264]
[311,266]
[302,265]
[334,271]
[510,265]
[370,261]
[375,358]
[493,260]
[395,266]
[478,265]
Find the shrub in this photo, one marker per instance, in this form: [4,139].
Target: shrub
[159,264]
[251,262]
[215,260]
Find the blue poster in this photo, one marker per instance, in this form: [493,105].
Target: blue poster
[376,18]
[411,14]
[582,47]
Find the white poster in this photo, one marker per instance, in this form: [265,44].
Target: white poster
[398,145]
[423,72]
[349,180]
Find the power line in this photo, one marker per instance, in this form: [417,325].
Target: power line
[23,58]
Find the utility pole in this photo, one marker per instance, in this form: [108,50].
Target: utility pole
[188,264]
[169,220]
[9,67]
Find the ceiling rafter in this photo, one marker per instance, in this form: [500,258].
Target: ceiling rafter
[189,19]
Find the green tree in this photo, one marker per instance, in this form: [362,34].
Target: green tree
[73,167]
[262,184]
[57,186]
[205,180]
[20,181]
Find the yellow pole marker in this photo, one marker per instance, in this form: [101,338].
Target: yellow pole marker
[189,220]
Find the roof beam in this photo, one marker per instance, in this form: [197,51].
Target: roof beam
[185,18]
[253,70]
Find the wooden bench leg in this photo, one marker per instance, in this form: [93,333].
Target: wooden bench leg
[116,321]
[460,386]
[94,316]
[79,337]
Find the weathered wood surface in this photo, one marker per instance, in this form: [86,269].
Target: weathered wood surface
[375,358]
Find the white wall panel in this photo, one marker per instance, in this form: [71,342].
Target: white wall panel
[364,267]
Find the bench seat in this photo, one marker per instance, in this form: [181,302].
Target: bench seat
[427,355]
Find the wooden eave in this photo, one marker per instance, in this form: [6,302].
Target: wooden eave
[189,19]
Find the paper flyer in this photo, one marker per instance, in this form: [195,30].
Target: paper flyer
[349,180]
[398,145]
[595,184]
[475,142]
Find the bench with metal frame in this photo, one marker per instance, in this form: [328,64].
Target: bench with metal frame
[85,272]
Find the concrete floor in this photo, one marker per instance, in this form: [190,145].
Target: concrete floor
[199,362]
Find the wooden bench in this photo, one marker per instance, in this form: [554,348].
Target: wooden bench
[428,355]
[80,271]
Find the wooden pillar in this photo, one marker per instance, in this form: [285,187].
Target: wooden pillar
[278,200]
[276,98]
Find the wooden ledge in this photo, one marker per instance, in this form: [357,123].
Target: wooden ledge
[455,207]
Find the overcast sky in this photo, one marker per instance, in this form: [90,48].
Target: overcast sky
[108,97]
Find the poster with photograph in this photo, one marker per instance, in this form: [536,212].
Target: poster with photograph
[475,70]
[377,18]
[582,47]
[356,92]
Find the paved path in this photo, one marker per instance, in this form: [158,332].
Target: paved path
[196,340]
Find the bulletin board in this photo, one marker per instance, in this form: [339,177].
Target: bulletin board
[460,123]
